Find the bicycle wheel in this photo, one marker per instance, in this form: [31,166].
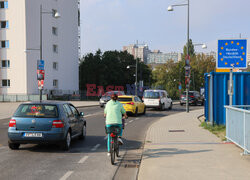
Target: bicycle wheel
[116,147]
[112,151]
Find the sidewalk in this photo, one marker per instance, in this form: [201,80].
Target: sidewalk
[176,148]
[8,108]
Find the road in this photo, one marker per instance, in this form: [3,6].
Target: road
[87,159]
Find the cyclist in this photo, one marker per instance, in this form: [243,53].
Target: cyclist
[113,113]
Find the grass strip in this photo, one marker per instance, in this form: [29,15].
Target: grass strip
[218,130]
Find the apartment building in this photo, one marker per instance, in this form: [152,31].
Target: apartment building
[20,45]
[157,57]
[140,51]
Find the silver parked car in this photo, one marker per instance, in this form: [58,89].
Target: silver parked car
[107,96]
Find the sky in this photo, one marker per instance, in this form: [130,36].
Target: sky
[112,24]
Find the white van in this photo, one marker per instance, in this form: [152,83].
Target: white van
[157,99]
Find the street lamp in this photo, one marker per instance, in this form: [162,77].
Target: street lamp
[203,46]
[56,15]
[135,75]
[170,8]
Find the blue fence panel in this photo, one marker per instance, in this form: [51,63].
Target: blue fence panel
[206,96]
[220,95]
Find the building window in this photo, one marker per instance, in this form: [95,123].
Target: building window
[4,4]
[55,83]
[5,63]
[4,44]
[54,31]
[55,65]
[4,24]
[55,48]
[5,83]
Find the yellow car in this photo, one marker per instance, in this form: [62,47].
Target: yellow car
[132,104]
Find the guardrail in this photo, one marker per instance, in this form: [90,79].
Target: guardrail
[238,126]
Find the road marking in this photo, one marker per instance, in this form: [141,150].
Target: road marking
[136,118]
[95,147]
[83,159]
[131,121]
[126,123]
[106,137]
[89,115]
[66,175]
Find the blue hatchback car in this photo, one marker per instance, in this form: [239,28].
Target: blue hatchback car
[46,122]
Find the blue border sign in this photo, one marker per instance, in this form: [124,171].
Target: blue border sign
[232,53]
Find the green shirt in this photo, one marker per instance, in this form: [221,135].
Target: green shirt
[114,111]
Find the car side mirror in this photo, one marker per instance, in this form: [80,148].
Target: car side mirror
[81,114]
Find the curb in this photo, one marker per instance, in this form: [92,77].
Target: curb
[86,106]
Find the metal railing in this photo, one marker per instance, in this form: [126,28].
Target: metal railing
[238,126]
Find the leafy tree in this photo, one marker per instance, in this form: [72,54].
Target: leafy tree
[110,68]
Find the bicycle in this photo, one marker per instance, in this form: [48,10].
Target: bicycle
[113,132]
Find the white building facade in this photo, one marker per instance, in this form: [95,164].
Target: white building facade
[20,46]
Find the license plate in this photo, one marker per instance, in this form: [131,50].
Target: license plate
[33,135]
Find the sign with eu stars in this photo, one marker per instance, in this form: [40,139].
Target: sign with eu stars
[232,53]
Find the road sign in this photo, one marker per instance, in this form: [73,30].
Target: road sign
[232,53]
[40,64]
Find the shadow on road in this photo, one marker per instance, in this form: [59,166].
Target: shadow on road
[157,153]
[79,146]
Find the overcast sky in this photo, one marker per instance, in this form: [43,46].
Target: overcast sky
[111,24]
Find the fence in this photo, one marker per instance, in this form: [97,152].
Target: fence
[21,98]
[216,94]
[238,126]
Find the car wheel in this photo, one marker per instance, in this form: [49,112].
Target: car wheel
[170,107]
[144,112]
[136,112]
[181,104]
[83,134]
[13,146]
[67,142]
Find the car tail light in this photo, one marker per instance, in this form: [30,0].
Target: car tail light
[192,96]
[12,123]
[132,103]
[57,124]
[112,135]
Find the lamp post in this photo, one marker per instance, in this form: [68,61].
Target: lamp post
[56,15]
[135,75]
[170,8]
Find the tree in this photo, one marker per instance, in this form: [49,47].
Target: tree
[110,68]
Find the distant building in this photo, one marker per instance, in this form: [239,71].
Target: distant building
[212,53]
[157,57]
[140,51]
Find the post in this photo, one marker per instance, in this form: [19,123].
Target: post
[231,88]
[41,44]
[187,86]
[136,77]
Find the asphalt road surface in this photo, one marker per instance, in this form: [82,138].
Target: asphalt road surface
[87,159]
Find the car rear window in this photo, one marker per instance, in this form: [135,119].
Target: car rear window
[37,110]
[151,94]
[189,93]
[125,99]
